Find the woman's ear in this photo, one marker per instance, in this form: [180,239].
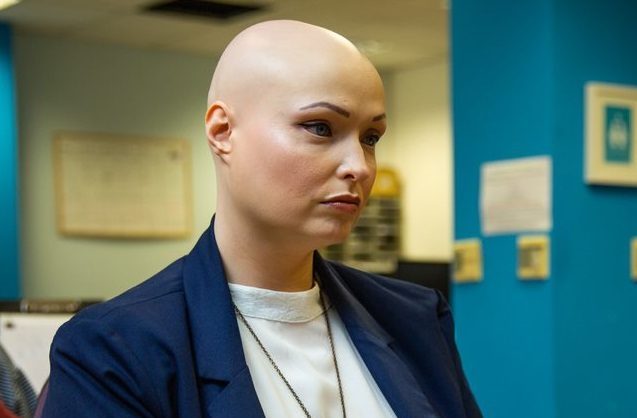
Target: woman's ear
[218,130]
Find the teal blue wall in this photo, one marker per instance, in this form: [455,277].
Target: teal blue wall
[596,302]
[501,94]
[566,347]
[9,258]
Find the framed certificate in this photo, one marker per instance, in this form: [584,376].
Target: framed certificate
[122,186]
[611,137]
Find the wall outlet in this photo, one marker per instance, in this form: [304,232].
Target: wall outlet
[533,257]
[467,261]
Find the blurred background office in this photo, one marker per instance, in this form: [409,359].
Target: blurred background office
[478,92]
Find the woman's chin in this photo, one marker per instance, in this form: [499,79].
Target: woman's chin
[332,238]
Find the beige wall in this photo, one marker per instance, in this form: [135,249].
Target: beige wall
[420,148]
[101,88]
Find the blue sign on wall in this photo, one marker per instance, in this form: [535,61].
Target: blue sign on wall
[618,134]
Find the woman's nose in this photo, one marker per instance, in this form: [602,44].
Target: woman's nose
[356,162]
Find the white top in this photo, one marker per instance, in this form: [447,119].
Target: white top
[291,326]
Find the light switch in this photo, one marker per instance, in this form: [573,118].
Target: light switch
[467,261]
[533,257]
[633,259]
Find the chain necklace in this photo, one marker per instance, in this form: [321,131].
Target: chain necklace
[276,367]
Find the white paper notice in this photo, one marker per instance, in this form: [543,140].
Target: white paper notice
[27,339]
[516,196]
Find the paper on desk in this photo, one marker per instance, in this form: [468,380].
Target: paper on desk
[516,196]
[27,339]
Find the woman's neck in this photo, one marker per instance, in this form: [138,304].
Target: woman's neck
[259,261]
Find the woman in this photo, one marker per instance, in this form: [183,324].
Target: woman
[253,322]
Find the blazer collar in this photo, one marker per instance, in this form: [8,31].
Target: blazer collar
[226,387]
[215,334]
[359,323]
[218,352]
[375,346]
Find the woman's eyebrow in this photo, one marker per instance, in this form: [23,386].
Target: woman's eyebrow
[328,105]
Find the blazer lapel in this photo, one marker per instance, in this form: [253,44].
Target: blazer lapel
[226,387]
[374,345]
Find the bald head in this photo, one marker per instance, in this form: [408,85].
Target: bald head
[279,51]
[294,113]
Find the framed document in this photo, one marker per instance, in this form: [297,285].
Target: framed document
[611,136]
[122,186]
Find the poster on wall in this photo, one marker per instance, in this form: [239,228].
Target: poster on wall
[122,186]
[611,135]
[515,195]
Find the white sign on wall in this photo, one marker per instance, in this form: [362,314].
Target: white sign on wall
[515,196]
[27,337]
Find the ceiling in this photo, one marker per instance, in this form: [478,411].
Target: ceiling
[394,34]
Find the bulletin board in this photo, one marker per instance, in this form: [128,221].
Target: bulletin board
[122,186]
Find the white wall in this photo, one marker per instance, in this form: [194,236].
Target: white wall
[99,88]
[67,85]
[419,146]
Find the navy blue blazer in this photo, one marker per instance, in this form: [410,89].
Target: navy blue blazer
[170,347]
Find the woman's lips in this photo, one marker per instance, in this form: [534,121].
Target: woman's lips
[344,203]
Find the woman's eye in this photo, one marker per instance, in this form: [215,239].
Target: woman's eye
[318,128]
[371,139]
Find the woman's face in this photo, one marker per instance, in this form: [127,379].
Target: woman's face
[303,152]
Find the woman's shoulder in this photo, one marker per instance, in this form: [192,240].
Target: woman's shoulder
[390,300]
[376,289]
[155,306]
[130,347]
